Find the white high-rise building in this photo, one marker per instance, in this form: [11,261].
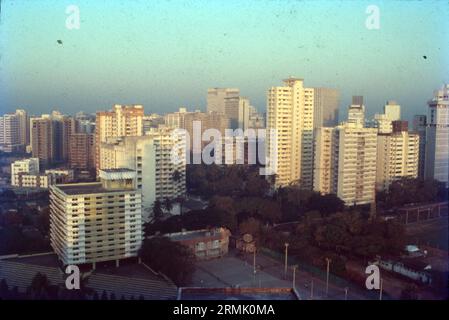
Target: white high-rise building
[356,111]
[384,122]
[248,117]
[325,166]
[10,133]
[290,113]
[345,162]
[24,127]
[419,126]
[392,110]
[99,221]
[437,137]
[397,155]
[157,176]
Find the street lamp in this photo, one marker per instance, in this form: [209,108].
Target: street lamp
[381,288]
[328,261]
[286,257]
[311,290]
[254,260]
[294,275]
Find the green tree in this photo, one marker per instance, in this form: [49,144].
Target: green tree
[40,287]
[104,295]
[4,289]
[171,258]
[157,209]
[167,204]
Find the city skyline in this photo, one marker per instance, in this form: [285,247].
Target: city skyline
[165,68]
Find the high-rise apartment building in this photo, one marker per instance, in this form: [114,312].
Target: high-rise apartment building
[384,122]
[345,162]
[419,127]
[392,110]
[121,121]
[397,155]
[158,176]
[217,100]
[24,127]
[437,137]
[248,117]
[10,133]
[225,101]
[50,137]
[82,151]
[43,142]
[356,111]
[325,111]
[94,222]
[290,114]
[325,166]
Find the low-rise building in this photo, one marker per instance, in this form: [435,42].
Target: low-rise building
[205,243]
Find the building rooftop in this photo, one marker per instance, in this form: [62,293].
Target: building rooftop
[189,235]
[87,188]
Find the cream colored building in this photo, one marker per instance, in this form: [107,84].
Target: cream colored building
[397,157]
[121,121]
[24,166]
[99,221]
[157,176]
[290,114]
[324,160]
[345,163]
[25,174]
[384,121]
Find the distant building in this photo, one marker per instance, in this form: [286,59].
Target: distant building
[356,111]
[50,137]
[158,177]
[10,133]
[397,155]
[27,166]
[290,114]
[216,100]
[26,174]
[325,112]
[60,175]
[206,243]
[82,151]
[121,121]
[24,127]
[437,137]
[384,122]
[345,162]
[94,222]
[419,127]
[248,117]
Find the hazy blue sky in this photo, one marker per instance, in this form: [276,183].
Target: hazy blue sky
[165,54]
